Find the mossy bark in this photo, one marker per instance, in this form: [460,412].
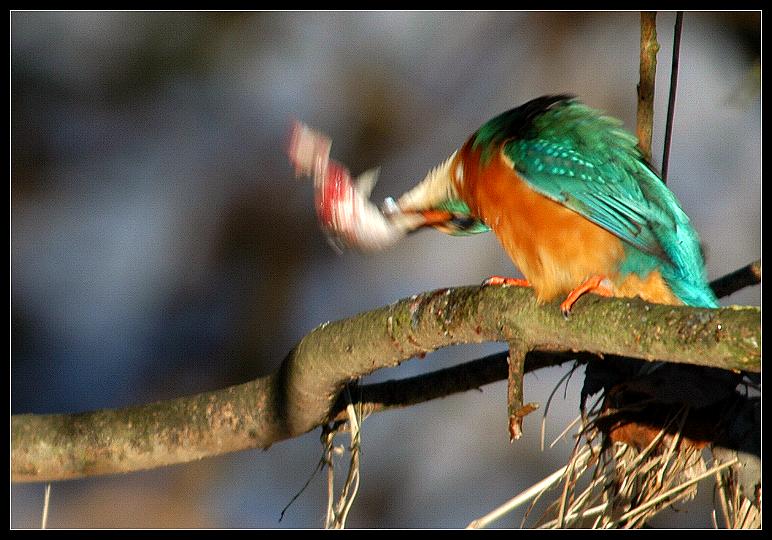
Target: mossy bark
[301,395]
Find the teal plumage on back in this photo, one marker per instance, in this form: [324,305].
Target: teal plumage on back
[587,162]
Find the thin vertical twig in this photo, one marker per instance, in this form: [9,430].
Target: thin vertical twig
[515,408]
[673,87]
[648,71]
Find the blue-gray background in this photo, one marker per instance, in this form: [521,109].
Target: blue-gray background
[160,245]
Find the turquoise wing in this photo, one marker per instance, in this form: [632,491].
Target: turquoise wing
[590,164]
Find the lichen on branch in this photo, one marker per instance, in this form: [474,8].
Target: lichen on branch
[302,393]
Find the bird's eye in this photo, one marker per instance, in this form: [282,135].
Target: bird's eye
[462,223]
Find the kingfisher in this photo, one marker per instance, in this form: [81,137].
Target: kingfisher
[565,189]
[573,202]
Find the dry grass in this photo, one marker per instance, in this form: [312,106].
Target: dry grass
[338,507]
[610,485]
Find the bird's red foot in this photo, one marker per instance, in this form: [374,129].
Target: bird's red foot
[595,284]
[500,280]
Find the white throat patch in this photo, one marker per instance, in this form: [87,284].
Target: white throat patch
[434,189]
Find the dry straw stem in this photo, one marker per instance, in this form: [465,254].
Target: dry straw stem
[680,489]
[523,497]
[46,504]
[337,513]
[302,393]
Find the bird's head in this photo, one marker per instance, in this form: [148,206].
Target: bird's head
[437,199]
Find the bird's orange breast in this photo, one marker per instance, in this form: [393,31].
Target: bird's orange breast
[555,248]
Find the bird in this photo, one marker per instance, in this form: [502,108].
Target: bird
[569,195]
[573,202]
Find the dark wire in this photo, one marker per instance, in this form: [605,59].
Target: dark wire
[673,86]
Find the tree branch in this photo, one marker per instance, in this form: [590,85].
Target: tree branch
[399,393]
[648,71]
[739,279]
[301,395]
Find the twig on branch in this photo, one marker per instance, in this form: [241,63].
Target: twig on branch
[301,395]
[739,279]
[648,71]
[400,393]
[516,369]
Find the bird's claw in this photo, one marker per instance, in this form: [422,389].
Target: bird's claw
[565,307]
[599,285]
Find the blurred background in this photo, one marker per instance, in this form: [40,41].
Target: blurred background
[160,245]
